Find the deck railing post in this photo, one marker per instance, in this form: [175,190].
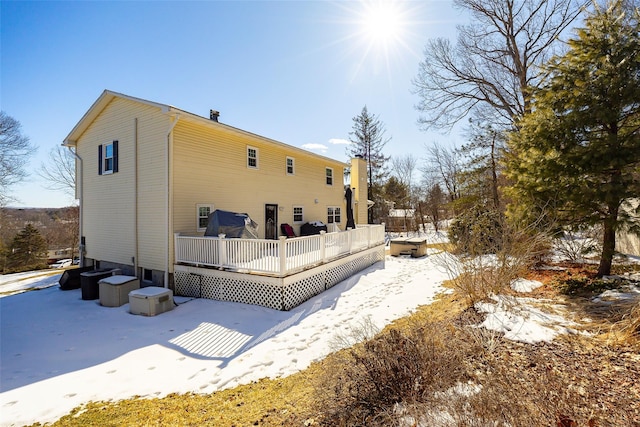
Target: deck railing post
[282,255]
[350,239]
[222,249]
[323,244]
[176,253]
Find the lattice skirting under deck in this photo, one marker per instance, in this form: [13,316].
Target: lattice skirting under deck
[282,293]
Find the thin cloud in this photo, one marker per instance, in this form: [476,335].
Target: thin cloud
[316,147]
[339,141]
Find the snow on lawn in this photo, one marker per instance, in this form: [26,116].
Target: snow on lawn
[625,293]
[525,285]
[519,320]
[59,351]
[11,284]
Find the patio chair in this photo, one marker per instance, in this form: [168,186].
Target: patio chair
[287,230]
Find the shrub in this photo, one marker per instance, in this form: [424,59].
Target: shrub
[365,383]
[476,231]
[450,373]
[575,246]
[478,276]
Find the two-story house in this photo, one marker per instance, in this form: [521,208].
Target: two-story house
[147,172]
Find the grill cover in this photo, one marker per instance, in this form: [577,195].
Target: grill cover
[232,225]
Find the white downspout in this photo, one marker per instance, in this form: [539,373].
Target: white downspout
[168,206]
[135,197]
[79,194]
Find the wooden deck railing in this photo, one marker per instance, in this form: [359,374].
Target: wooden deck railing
[278,258]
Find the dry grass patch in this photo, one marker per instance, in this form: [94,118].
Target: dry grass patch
[629,326]
[442,246]
[609,321]
[265,403]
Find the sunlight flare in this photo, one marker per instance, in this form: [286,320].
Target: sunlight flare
[382,22]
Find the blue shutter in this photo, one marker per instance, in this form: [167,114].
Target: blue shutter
[100,159]
[115,156]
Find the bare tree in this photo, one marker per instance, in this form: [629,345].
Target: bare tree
[445,163]
[490,70]
[403,168]
[15,151]
[66,229]
[60,172]
[435,201]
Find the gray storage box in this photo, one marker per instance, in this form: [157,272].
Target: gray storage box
[114,290]
[150,301]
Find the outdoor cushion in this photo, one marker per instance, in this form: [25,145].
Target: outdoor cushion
[287,230]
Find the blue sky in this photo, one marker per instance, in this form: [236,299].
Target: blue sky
[294,71]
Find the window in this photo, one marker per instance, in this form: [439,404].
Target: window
[329,175]
[290,165]
[298,215]
[147,275]
[202,216]
[333,214]
[252,157]
[108,158]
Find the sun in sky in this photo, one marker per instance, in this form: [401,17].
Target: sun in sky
[381,32]
[382,22]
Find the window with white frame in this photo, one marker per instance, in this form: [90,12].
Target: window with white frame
[329,176]
[290,165]
[298,214]
[202,215]
[252,157]
[108,158]
[333,214]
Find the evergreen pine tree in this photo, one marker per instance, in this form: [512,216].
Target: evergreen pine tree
[28,250]
[482,176]
[397,192]
[368,138]
[579,150]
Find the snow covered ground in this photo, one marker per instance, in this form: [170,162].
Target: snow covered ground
[11,284]
[58,351]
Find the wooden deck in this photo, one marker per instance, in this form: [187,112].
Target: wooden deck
[279,274]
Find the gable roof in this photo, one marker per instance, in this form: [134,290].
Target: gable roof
[107,96]
[103,100]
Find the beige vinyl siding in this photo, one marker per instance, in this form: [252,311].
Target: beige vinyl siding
[210,166]
[109,201]
[152,189]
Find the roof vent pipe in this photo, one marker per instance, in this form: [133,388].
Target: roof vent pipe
[213,115]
